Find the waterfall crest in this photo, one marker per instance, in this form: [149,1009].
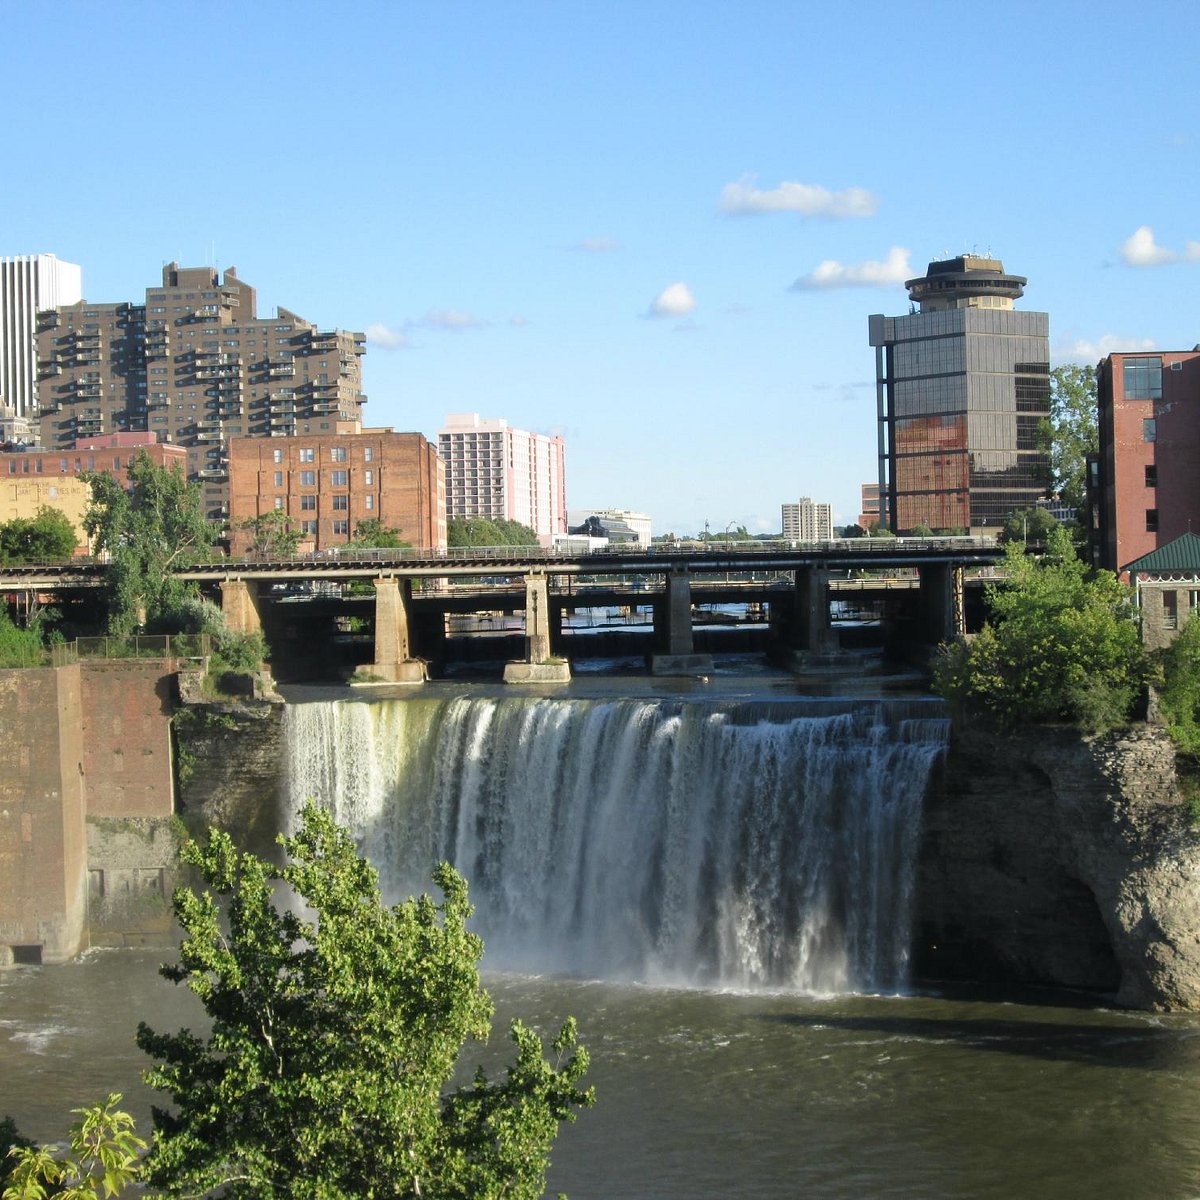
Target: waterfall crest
[743,844]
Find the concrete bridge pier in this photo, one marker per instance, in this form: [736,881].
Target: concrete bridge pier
[239,604]
[393,652]
[537,666]
[675,616]
[941,606]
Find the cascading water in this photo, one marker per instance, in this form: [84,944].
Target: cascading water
[730,845]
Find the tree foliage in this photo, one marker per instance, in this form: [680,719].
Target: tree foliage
[21,647]
[1029,526]
[1179,687]
[271,533]
[102,1159]
[154,527]
[478,531]
[1070,433]
[373,533]
[1060,645]
[333,1039]
[44,538]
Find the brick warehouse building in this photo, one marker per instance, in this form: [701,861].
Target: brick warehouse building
[1148,488]
[195,365]
[328,483]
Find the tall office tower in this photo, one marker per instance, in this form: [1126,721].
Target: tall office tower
[29,283]
[960,386]
[1147,492]
[807,522]
[197,366]
[496,471]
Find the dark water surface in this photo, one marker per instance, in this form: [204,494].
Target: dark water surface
[704,1095]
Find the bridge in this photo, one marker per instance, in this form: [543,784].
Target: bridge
[413,591]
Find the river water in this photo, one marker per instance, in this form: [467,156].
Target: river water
[738,1088]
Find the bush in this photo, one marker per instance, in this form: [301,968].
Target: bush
[20,647]
[1179,695]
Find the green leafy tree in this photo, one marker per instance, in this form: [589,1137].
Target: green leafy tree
[333,1040]
[45,538]
[10,1141]
[1070,433]
[1060,645]
[920,531]
[21,647]
[1179,687]
[373,533]
[271,533]
[102,1159]
[479,531]
[1030,526]
[156,526]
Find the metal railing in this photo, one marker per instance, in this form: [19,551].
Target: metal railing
[160,645]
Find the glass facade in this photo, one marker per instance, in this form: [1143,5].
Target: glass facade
[962,392]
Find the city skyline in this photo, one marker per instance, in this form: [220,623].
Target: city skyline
[657,232]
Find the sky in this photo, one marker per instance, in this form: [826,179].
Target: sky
[654,228]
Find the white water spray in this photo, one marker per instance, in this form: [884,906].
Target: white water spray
[734,845]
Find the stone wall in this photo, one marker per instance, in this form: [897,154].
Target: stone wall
[1050,858]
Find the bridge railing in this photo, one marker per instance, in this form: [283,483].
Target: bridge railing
[174,645]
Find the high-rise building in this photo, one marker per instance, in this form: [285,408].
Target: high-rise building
[807,521]
[869,514]
[1147,489]
[29,283]
[961,385]
[620,526]
[197,366]
[328,484]
[495,471]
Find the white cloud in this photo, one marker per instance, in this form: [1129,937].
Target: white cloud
[1091,352]
[452,319]
[597,245]
[1191,252]
[674,301]
[832,274]
[1140,249]
[808,199]
[388,339]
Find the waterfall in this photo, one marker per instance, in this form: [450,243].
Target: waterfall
[744,844]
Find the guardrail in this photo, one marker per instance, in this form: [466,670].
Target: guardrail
[161,645]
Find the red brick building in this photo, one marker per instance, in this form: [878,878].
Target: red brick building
[112,453]
[1148,490]
[328,483]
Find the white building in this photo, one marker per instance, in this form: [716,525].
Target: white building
[494,471]
[616,524]
[807,522]
[28,284]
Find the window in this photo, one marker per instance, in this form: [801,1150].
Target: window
[1143,378]
[308,526]
[341,504]
[307,454]
[1170,610]
[368,453]
[1149,430]
[308,504]
[368,478]
[1152,520]
[369,502]
[339,478]
[308,479]
[279,479]
[341,527]
[277,456]
[1152,476]
[278,501]
[337,453]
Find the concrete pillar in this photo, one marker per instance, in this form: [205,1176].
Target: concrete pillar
[675,612]
[537,667]
[812,630]
[239,603]
[941,603]
[393,656]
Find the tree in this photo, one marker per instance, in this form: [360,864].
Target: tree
[333,1038]
[271,533]
[374,533]
[1179,687]
[10,1141]
[1060,645]
[922,531]
[148,531]
[102,1159]
[479,531]
[44,538]
[1070,433]
[1030,526]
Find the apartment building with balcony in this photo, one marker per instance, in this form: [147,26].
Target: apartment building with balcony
[494,471]
[807,521]
[195,365]
[327,483]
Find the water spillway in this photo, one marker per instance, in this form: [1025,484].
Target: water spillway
[736,844]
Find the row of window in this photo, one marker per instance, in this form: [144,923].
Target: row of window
[308,454]
[339,503]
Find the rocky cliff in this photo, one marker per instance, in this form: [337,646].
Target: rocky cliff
[1051,858]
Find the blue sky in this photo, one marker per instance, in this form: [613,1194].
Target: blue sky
[655,228]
